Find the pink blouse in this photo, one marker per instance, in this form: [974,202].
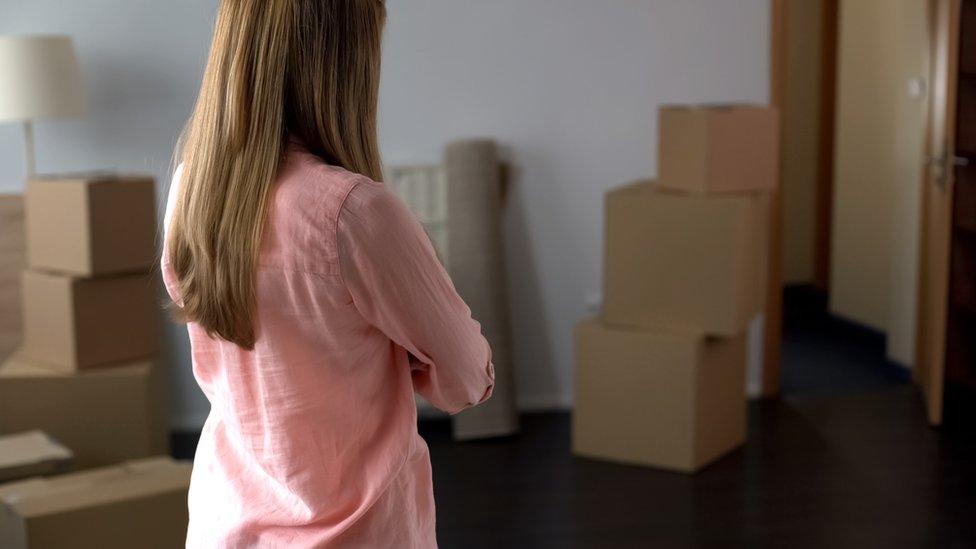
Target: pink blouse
[311,439]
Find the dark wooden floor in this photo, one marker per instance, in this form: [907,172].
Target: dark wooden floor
[845,459]
[858,470]
[823,354]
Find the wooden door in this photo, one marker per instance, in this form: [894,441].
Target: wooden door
[960,360]
[937,189]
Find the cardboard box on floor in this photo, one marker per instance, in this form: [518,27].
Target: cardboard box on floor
[78,323]
[12,261]
[104,416]
[30,454]
[718,148]
[684,260]
[135,504]
[668,399]
[91,225]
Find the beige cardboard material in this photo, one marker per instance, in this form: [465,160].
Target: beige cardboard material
[91,225]
[104,416]
[31,454]
[668,399]
[135,504]
[718,148]
[674,259]
[12,260]
[477,265]
[79,323]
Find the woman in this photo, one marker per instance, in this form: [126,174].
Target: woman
[314,301]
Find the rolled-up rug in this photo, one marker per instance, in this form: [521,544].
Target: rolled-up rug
[476,265]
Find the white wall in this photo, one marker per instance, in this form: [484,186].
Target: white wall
[910,115]
[878,165]
[865,132]
[569,87]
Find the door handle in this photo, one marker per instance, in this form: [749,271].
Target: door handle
[942,164]
[942,161]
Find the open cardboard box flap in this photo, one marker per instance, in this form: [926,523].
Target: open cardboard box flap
[130,480]
[29,447]
[31,453]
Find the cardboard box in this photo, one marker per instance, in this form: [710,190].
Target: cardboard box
[105,416]
[668,399]
[689,260]
[91,225]
[31,454]
[79,323]
[12,260]
[135,504]
[718,148]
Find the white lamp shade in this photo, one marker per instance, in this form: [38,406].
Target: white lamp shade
[39,78]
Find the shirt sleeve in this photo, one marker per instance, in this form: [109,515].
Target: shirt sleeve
[390,268]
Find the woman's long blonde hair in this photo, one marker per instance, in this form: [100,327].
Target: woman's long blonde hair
[308,69]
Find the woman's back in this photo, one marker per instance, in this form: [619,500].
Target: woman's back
[312,437]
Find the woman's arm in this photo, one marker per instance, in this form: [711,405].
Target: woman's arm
[389,267]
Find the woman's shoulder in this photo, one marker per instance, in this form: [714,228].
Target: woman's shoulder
[334,191]
[303,216]
[308,182]
[371,200]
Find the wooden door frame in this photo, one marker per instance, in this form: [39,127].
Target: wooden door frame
[825,144]
[779,16]
[773,327]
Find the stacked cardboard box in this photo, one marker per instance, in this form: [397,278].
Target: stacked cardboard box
[85,371]
[104,415]
[660,378]
[12,259]
[140,503]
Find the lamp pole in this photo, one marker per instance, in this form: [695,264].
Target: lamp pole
[29,147]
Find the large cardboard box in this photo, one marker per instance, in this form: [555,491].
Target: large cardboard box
[79,323]
[91,225]
[31,454]
[135,504]
[669,399]
[104,416]
[12,261]
[688,260]
[718,148]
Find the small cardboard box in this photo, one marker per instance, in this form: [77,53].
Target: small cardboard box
[79,323]
[91,225]
[696,261]
[12,260]
[31,454]
[105,416]
[669,399]
[718,148]
[135,504]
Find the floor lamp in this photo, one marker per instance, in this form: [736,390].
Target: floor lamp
[39,78]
